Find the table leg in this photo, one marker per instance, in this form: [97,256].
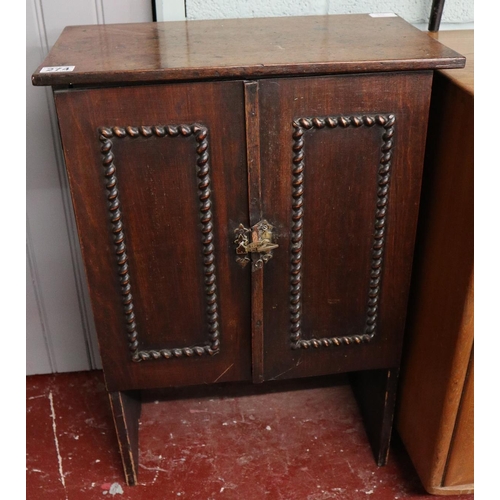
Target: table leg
[126,409]
[375,391]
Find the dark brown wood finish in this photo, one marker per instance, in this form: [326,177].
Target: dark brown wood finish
[241,48]
[375,392]
[126,410]
[156,208]
[162,175]
[436,13]
[342,188]
[255,215]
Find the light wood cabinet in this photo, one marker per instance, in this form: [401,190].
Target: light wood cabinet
[436,404]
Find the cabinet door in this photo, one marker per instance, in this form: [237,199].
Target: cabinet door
[341,161]
[158,179]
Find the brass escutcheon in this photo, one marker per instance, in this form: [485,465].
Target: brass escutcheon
[262,243]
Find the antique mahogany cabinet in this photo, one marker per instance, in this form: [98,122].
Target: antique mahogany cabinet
[246,194]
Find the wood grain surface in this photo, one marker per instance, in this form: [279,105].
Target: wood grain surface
[463,42]
[252,116]
[460,467]
[340,186]
[433,418]
[126,410]
[148,52]
[164,222]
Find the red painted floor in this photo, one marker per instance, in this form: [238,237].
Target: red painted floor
[299,440]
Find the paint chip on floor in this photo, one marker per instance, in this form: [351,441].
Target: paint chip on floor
[112,489]
[116,489]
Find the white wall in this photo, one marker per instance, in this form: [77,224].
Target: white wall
[413,11]
[59,325]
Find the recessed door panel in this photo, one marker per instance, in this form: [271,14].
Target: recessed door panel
[158,174]
[340,160]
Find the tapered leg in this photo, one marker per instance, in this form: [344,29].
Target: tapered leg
[375,391]
[126,409]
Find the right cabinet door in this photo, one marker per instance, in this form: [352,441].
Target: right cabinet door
[341,161]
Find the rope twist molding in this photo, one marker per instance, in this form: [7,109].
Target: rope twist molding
[200,133]
[300,127]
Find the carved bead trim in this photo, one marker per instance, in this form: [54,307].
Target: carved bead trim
[200,132]
[300,126]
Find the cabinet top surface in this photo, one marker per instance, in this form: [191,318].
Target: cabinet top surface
[241,48]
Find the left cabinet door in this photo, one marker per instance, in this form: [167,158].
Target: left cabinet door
[158,181]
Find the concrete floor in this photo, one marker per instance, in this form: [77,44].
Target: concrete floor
[294,440]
